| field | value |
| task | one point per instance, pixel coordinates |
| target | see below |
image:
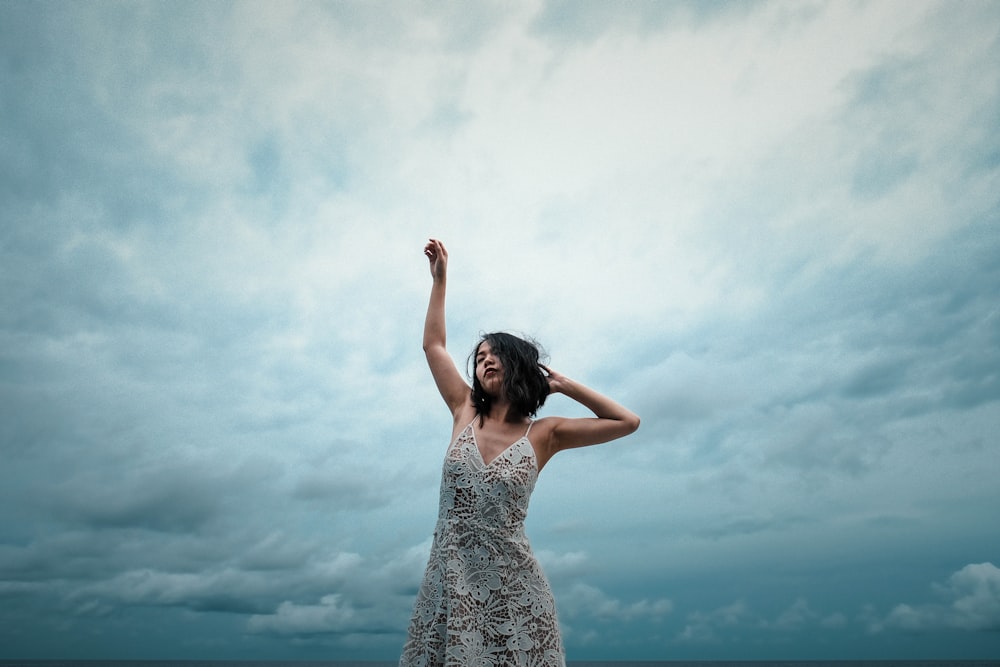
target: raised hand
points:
(557, 381)
(438, 257)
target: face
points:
(489, 369)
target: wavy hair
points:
(524, 383)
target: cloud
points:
(738, 621)
(342, 489)
(560, 565)
(703, 626)
(795, 616)
(224, 588)
(178, 500)
(330, 616)
(585, 21)
(749, 525)
(583, 600)
(277, 551)
(376, 598)
(768, 228)
(971, 602)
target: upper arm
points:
(567, 433)
(454, 390)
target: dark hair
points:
(524, 383)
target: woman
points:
(484, 600)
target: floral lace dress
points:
(484, 600)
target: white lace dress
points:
(484, 600)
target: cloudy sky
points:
(771, 229)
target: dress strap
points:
(530, 424)
(461, 433)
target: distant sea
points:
(571, 663)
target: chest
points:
(496, 491)
(493, 443)
(513, 465)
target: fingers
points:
(435, 249)
(554, 377)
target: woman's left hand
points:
(556, 380)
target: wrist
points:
(562, 386)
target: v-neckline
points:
(482, 459)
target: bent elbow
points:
(632, 423)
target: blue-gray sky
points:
(769, 228)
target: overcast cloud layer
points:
(771, 229)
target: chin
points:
(492, 389)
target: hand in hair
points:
(556, 380)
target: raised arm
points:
(610, 421)
(453, 388)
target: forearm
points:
(435, 331)
(602, 406)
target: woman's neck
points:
(502, 411)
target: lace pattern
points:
(484, 600)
